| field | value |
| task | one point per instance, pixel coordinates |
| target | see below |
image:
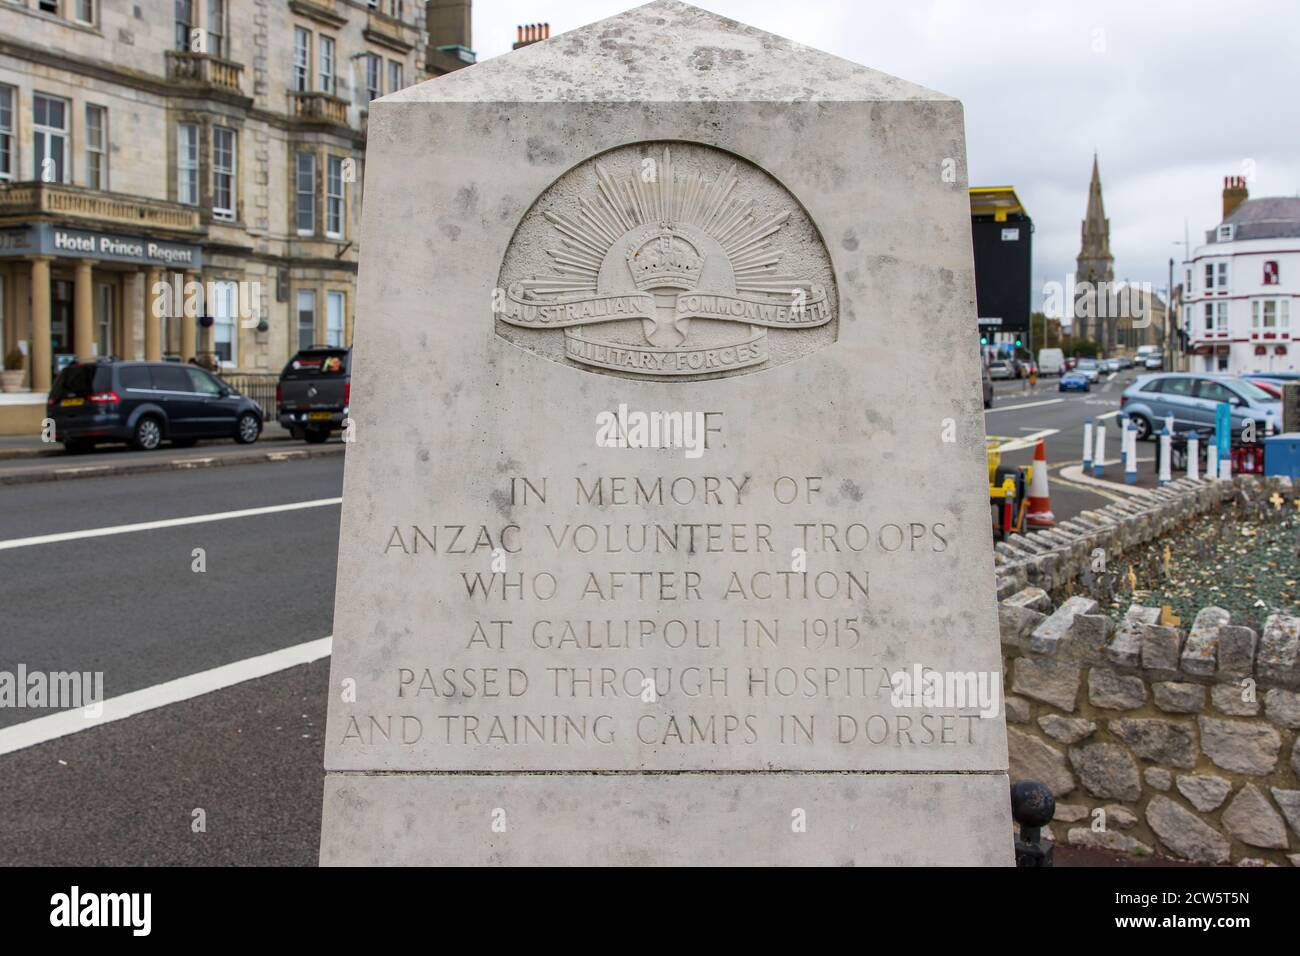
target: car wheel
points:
(247, 429)
(148, 434)
(77, 446)
(1142, 426)
(316, 436)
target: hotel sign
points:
(46, 239)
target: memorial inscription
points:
(665, 550)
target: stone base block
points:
(667, 819)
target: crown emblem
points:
(666, 260)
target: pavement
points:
(26, 459)
(100, 576)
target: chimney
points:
(447, 23)
(531, 33)
(1234, 193)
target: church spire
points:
(1095, 249)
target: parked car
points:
(1192, 399)
(1001, 370)
(147, 403)
(1090, 368)
(1075, 382)
(1110, 365)
(1153, 361)
(1051, 361)
(314, 392)
(986, 384)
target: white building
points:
(1241, 288)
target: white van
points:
(1050, 361)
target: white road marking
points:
(1027, 441)
(65, 722)
(164, 523)
(1012, 408)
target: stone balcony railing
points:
(319, 108)
(91, 205)
(201, 69)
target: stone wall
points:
(1185, 739)
(1054, 559)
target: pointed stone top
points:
(1096, 228)
(665, 51)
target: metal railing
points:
(259, 386)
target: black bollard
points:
(1032, 806)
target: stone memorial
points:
(665, 537)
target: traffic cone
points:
(1040, 502)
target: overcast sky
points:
(1173, 96)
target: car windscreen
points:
(82, 380)
(1253, 392)
(318, 363)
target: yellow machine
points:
(1008, 488)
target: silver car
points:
(1090, 368)
(1192, 399)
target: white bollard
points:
(1225, 467)
(1166, 450)
(1212, 459)
(1193, 456)
(1099, 451)
(1130, 454)
(1087, 444)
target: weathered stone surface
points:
(1107, 771)
(1068, 730)
(1048, 636)
(1017, 710)
(1236, 651)
(1114, 691)
(1200, 651)
(512, 392)
(1289, 801)
(1034, 759)
(1070, 812)
(1279, 648)
(1158, 778)
(1282, 707)
(1237, 745)
(1118, 815)
(1231, 699)
(1185, 834)
(1204, 791)
(1035, 599)
(1160, 647)
(1087, 637)
(1175, 698)
(1053, 682)
(1251, 819)
(1107, 840)
(1295, 756)
(1160, 741)
(1015, 624)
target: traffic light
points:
(1018, 343)
(984, 340)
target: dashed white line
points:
(164, 523)
(1011, 408)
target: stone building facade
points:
(215, 144)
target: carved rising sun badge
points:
(665, 272)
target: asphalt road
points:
(130, 605)
(1017, 413)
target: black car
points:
(314, 392)
(146, 403)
